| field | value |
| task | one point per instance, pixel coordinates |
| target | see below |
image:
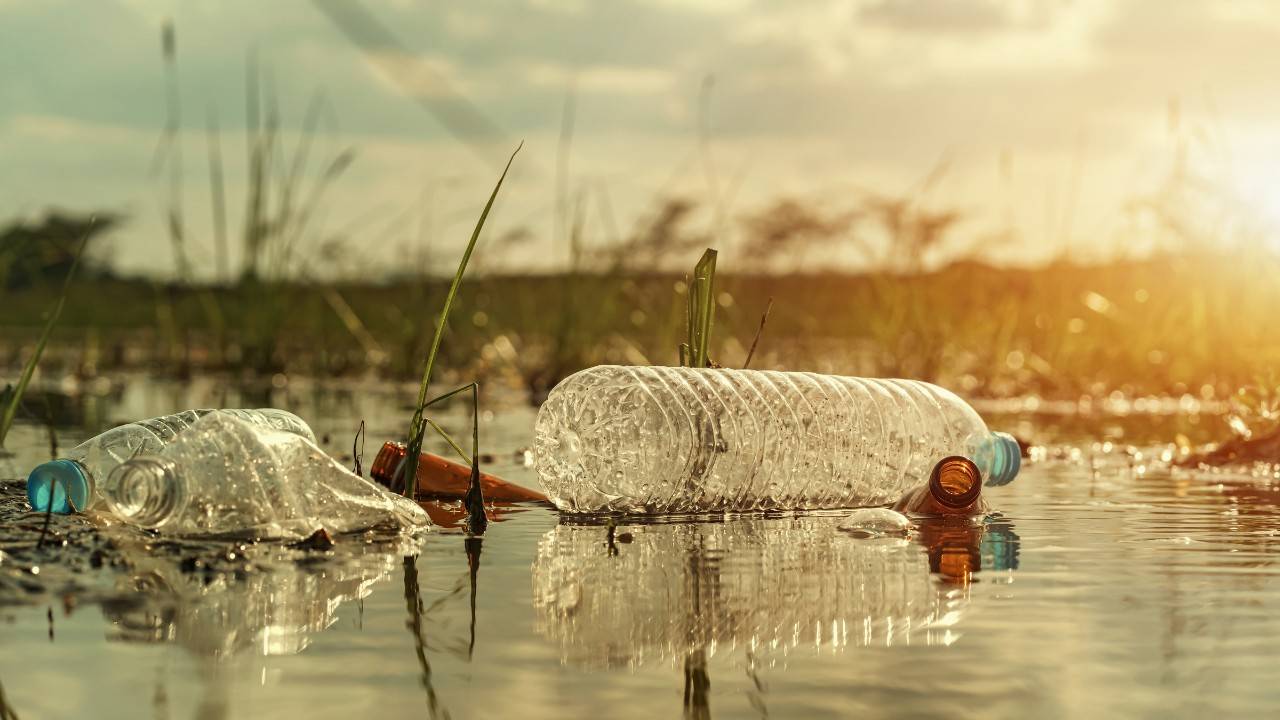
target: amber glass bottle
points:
(954, 488)
(439, 478)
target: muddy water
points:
(1106, 587)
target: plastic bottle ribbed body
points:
(101, 454)
(225, 476)
(685, 440)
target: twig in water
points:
(759, 331)
(477, 521)
(358, 455)
(53, 433)
(473, 546)
(48, 516)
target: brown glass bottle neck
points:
(955, 483)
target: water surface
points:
(1106, 586)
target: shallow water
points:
(1107, 586)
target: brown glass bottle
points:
(954, 489)
(439, 478)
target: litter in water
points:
(225, 476)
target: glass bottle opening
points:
(955, 482)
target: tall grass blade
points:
(702, 308)
(253, 139)
(11, 410)
(764, 318)
(417, 428)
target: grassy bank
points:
(1158, 326)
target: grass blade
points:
(764, 318)
(6, 421)
(702, 308)
(417, 428)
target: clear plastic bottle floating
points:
(226, 477)
(69, 483)
(688, 440)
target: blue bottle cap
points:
(51, 483)
(1006, 460)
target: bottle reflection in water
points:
(267, 612)
(767, 587)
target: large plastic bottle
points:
(225, 476)
(69, 482)
(686, 440)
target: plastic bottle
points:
(225, 476)
(686, 440)
(69, 482)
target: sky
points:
(1044, 122)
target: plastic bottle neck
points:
(1003, 456)
(144, 491)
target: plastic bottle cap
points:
(1006, 460)
(53, 482)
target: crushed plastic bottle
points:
(225, 476)
(686, 440)
(69, 482)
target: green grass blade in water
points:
(417, 428)
(11, 410)
(702, 308)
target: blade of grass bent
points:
(417, 428)
(6, 421)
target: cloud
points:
(810, 93)
(939, 15)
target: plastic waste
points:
(686, 440)
(225, 476)
(69, 482)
